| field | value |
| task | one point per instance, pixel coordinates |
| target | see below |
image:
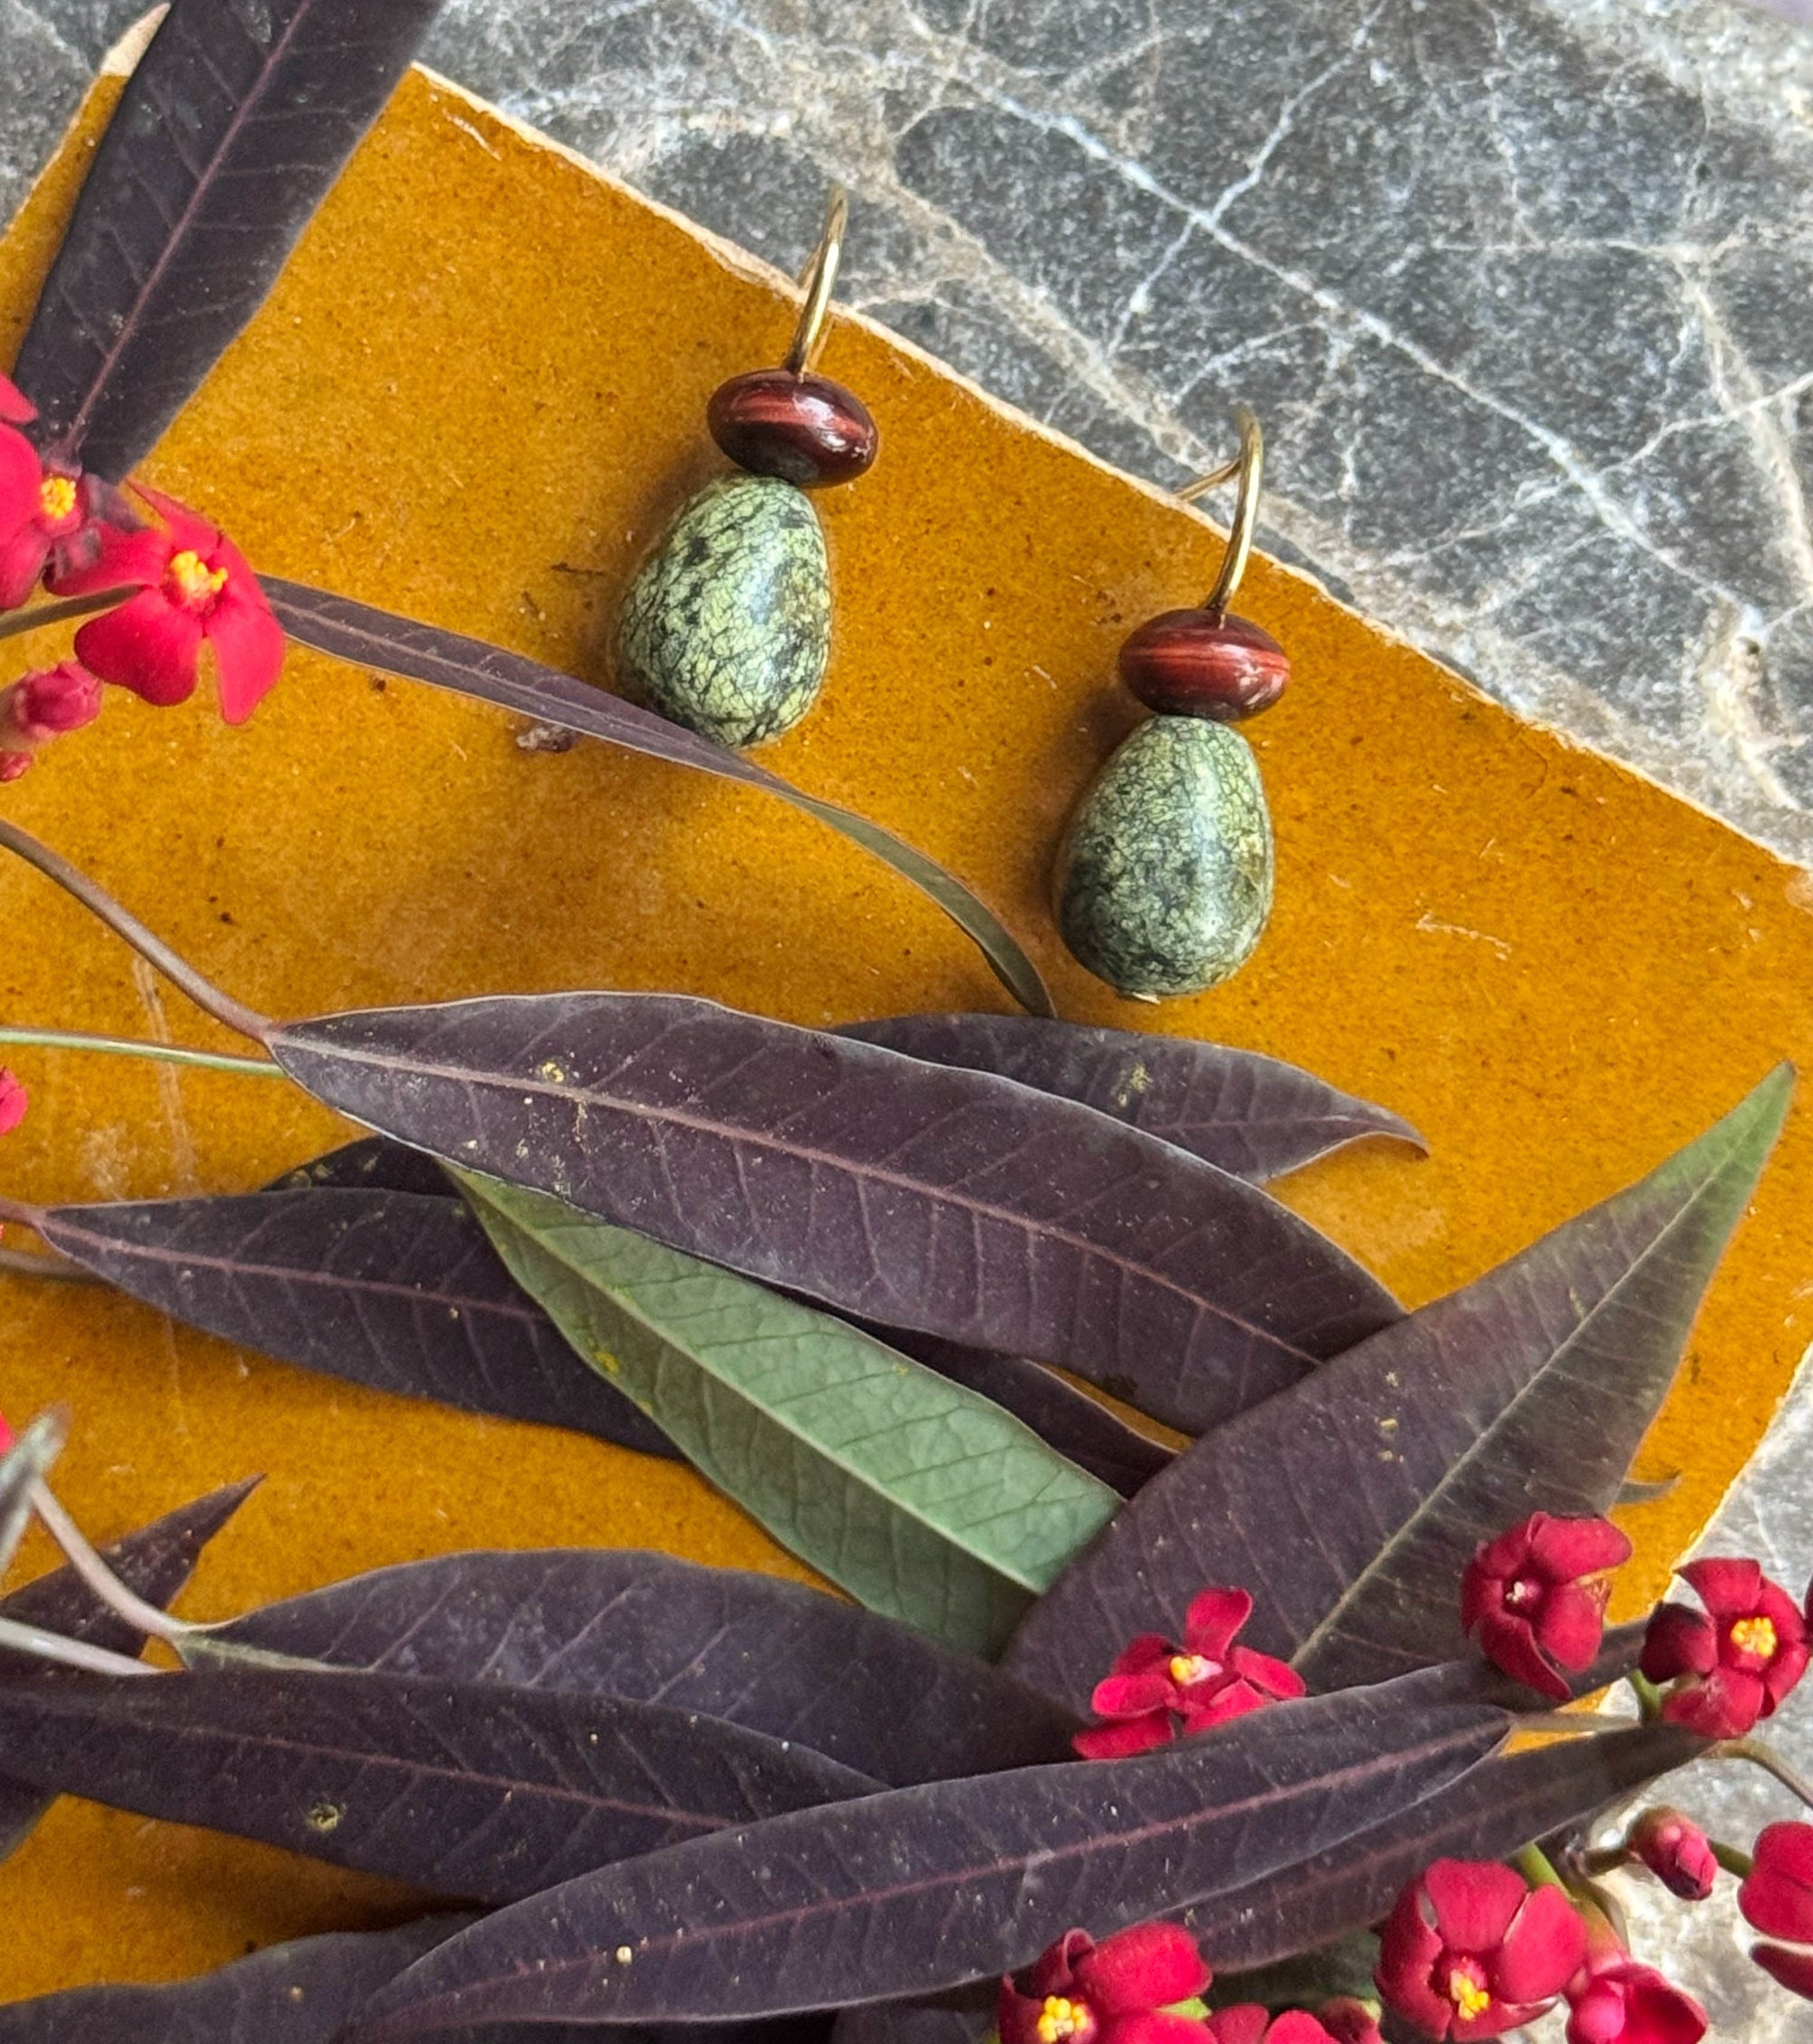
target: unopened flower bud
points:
(1676, 1851)
(41, 707)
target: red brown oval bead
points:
(1192, 663)
(805, 428)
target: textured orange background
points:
(474, 395)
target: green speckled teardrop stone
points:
(1164, 878)
(727, 625)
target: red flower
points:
(1470, 1951)
(41, 707)
(1115, 1993)
(1676, 1851)
(1621, 2002)
(14, 1101)
(15, 408)
(45, 512)
(195, 588)
(1158, 1689)
(1777, 1894)
(1349, 2021)
(1791, 1970)
(1534, 1597)
(1735, 1660)
(1251, 2023)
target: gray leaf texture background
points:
(1520, 290)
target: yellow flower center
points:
(1059, 2020)
(1468, 1992)
(56, 498)
(1187, 1668)
(192, 582)
(1755, 1635)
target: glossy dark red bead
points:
(805, 428)
(1192, 663)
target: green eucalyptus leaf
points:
(921, 1498)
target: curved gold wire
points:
(817, 280)
(1249, 465)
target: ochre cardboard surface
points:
(475, 393)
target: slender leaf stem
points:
(1538, 1869)
(234, 1014)
(16, 623)
(1733, 1858)
(53, 1270)
(69, 1653)
(1648, 1696)
(116, 1595)
(135, 1047)
(1768, 1759)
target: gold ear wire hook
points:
(1249, 465)
(817, 280)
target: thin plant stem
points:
(1768, 1759)
(53, 1270)
(1538, 1869)
(16, 623)
(71, 1653)
(135, 1047)
(115, 1595)
(1733, 1858)
(234, 1014)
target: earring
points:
(726, 627)
(1163, 880)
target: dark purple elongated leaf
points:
(1350, 1505)
(906, 2022)
(368, 1164)
(1502, 1805)
(921, 1889)
(1245, 1113)
(304, 1993)
(238, 120)
(775, 1656)
(296, 1993)
(400, 1291)
(471, 1790)
(156, 1562)
(1061, 1416)
(377, 639)
(916, 1194)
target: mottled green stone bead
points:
(1164, 878)
(727, 626)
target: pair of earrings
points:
(1163, 880)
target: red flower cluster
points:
(42, 707)
(1776, 1899)
(1470, 1950)
(1676, 1851)
(1120, 1992)
(1535, 1598)
(1158, 1689)
(193, 587)
(14, 1101)
(196, 589)
(1733, 1662)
